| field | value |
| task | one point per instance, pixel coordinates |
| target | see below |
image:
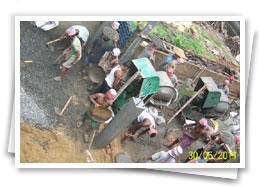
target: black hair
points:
(127, 64)
(152, 135)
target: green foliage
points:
(188, 44)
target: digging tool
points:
(92, 139)
(66, 105)
(53, 41)
(185, 105)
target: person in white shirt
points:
(144, 120)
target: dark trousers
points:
(103, 88)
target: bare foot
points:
(57, 79)
(86, 138)
(79, 124)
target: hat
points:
(169, 71)
(227, 82)
(152, 131)
(70, 31)
(203, 122)
(110, 33)
(176, 151)
(179, 52)
(111, 94)
(115, 25)
(116, 52)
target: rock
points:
(123, 158)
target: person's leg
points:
(86, 63)
(63, 72)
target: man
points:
(149, 52)
(224, 86)
(81, 32)
(98, 49)
(75, 52)
(109, 59)
(115, 26)
(113, 78)
(166, 157)
(173, 59)
(144, 120)
(98, 99)
(172, 76)
(189, 137)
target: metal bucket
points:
(96, 74)
(99, 114)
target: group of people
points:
(105, 53)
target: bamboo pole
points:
(60, 114)
(183, 107)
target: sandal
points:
(57, 79)
(86, 137)
(79, 124)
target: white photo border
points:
(18, 164)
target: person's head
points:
(126, 66)
(169, 72)
(110, 95)
(115, 25)
(116, 52)
(70, 32)
(226, 83)
(152, 132)
(203, 123)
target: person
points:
(144, 120)
(173, 59)
(97, 51)
(166, 157)
(81, 32)
(224, 86)
(113, 78)
(75, 52)
(206, 134)
(189, 137)
(109, 59)
(172, 76)
(98, 99)
(115, 26)
(149, 52)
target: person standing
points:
(98, 49)
(75, 53)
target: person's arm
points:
(189, 135)
(118, 76)
(103, 59)
(62, 36)
(77, 57)
(93, 97)
(188, 126)
(66, 50)
(143, 132)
